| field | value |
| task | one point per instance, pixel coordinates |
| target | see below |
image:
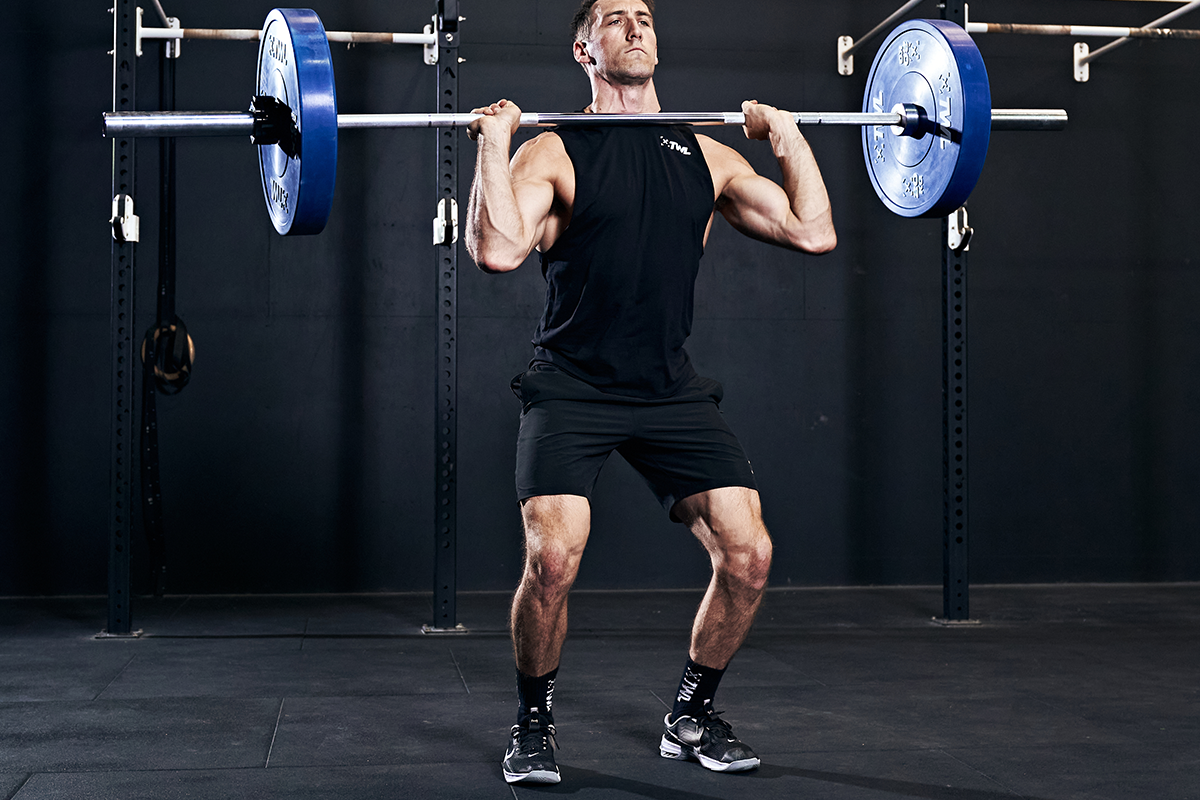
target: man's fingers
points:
(758, 119)
(495, 109)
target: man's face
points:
(623, 47)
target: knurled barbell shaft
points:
(133, 124)
(548, 120)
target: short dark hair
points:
(581, 23)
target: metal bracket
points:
(431, 50)
(847, 45)
(446, 222)
(172, 45)
(959, 237)
(845, 58)
(126, 226)
(1082, 67)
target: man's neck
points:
(610, 98)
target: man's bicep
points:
(535, 199)
(535, 170)
(756, 206)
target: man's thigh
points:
(684, 449)
(562, 444)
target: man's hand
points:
(504, 112)
(759, 117)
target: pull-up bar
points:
(1083, 58)
(1083, 30)
(1153, 30)
(175, 33)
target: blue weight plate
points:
(294, 66)
(936, 65)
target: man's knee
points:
(759, 566)
(747, 563)
(556, 531)
(733, 531)
(550, 570)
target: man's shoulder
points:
(547, 143)
(724, 163)
(718, 150)
(541, 156)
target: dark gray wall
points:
(300, 456)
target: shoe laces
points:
(711, 720)
(535, 735)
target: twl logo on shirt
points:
(676, 146)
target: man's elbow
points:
(493, 261)
(816, 243)
(824, 245)
(494, 267)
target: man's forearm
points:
(801, 176)
(495, 230)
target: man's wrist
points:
(784, 131)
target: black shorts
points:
(680, 446)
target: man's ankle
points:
(696, 690)
(535, 696)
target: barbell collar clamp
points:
(274, 123)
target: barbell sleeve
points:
(1028, 119)
(135, 124)
(138, 124)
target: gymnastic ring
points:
(169, 349)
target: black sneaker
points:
(530, 756)
(707, 739)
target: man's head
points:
(615, 39)
(581, 25)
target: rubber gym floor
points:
(1066, 691)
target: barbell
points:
(926, 120)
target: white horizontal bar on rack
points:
(1158, 23)
(1107, 31)
(252, 35)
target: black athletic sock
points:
(535, 694)
(696, 689)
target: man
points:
(620, 215)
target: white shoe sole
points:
(537, 776)
(669, 749)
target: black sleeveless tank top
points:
(620, 279)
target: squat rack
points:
(956, 235)
(128, 36)
(440, 42)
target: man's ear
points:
(581, 54)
